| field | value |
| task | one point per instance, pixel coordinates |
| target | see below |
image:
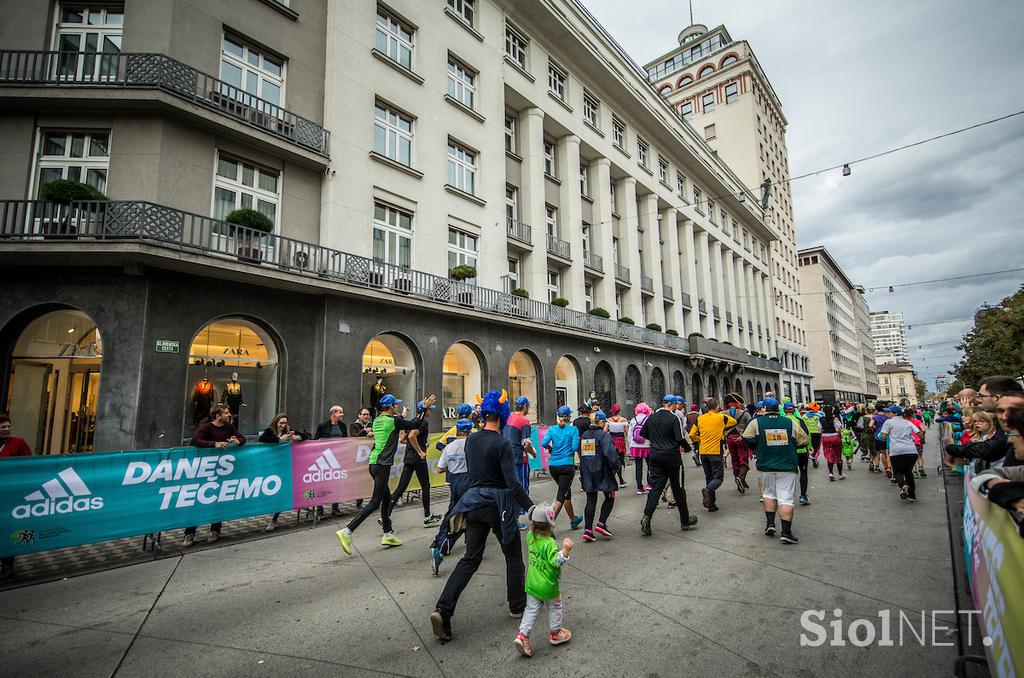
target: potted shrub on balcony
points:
(654, 326)
(695, 334)
(560, 302)
(63, 192)
(249, 248)
(626, 320)
(460, 274)
(672, 333)
(600, 312)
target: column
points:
(718, 289)
(531, 207)
(688, 278)
(731, 302)
(751, 315)
(632, 301)
(570, 227)
(670, 268)
(704, 285)
(652, 256)
(602, 237)
(768, 314)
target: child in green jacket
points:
(542, 578)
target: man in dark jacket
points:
(599, 461)
(218, 433)
(334, 427)
(665, 434)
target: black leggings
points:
(381, 499)
(801, 462)
(638, 463)
(903, 471)
(422, 475)
(606, 509)
(563, 475)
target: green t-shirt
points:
(544, 571)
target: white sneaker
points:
(271, 526)
(188, 541)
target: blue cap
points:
(389, 400)
(464, 410)
(521, 401)
(564, 411)
(600, 416)
(894, 409)
(668, 398)
(770, 403)
(463, 426)
(680, 400)
(789, 405)
(419, 406)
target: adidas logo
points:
(67, 493)
(326, 467)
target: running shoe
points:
(271, 526)
(888, 473)
(705, 498)
(345, 540)
(560, 636)
(842, 476)
(696, 461)
(746, 485)
(761, 499)
(904, 492)
(647, 488)
(671, 504)
(712, 508)
(588, 536)
(435, 560)
(188, 541)
(213, 538)
(641, 492)
(893, 480)
(789, 538)
(804, 501)
(832, 477)
(689, 524)
(622, 484)
(390, 539)
(432, 521)
(602, 530)
(815, 462)
(911, 500)
(442, 625)
(576, 522)
(645, 525)
(769, 530)
(739, 485)
(923, 474)
(515, 615)
(522, 644)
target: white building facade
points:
(889, 334)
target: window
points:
(681, 185)
(549, 159)
(462, 248)
(76, 156)
(683, 81)
(556, 81)
(552, 285)
(511, 203)
(732, 92)
(591, 109)
(731, 59)
(252, 73)
(711, 211)
(618, 133)
(551, 220)
(510, 134)
(641, 151)
(515, 46)
(663, 170)
(706, 71)
(707, 102)
(461, 168)
(82, 32)
(686, 110)
(586, 237)
(461, 82)
(392, 235)
(709, 132)
(392, 134)
(735, 231)
(588, 296)
(618, 304)
(512, 278)
(615, 250)
(698, 195)
(239, 184)
(612, 189)
(394, 38)
(463, 9)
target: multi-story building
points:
(285, 190)
(839, 330)
(942, 383)
(898, 383)
(718, 86)
(889, 333)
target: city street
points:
(723, 599)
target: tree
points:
(921, 388)
(955, 388)
(995, 345)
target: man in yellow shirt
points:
(709, 432)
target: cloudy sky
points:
(859, 78)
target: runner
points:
(801, 450)
(832, 442)
(813, 419)
(415, 462)
(776, 440)
(563, 441)
(617, 427)
(911, 415)
(665, 434)
(691, 421)
(518, 432)
(583, 422)
(386, 428)
(867, 439)
(709, 433)
(640, 447)
(877, 421)
(598, 463)
(453, 463)
(898, 432)
(926, 414)
(463, 411)
(738, 450)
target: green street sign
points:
(166, 346)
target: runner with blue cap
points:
(518, 432)
(563, 441)
(453, 463)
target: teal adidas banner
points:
(55, 501)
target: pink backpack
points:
(637, 438)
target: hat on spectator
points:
(389, 401)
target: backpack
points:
(637, 438)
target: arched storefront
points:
(759, 390)
(696, 389)
(232, 361)
(461, 379)
(750, 392)
(54, 387)
(657, 385)
(524, 379)
(679, 384)
(713, 387)
(634, 387)
(568, 382)
(389, 365)
(604, 384)
(738, 390)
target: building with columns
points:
(717, 84)
(839, 330)
(285, 190)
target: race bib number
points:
(588, 448)
(776, 436)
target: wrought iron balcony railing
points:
(621, 273)
(559, 248)
(593, 261)
(646, 283)
(517, 230)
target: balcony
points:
(666, 291)
(144, 70)
(646, 284)
(559, 248)
(99, 228)
(519, 231)
(593, 261)
(716, 313)
(621, 273)
(684, 299)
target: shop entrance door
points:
(81, 411)
(28, 402)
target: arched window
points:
(706, 71)
(684, 80)
(679, 384)
(664, 89)
(731, 59)
(696, 388)
(523, 380)
(604, 384)
(657, 385)
(461, 379)
(568, 382)
(634, 387)
(389, 366)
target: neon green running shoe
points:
(346, 541)
(390, 540)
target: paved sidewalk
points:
(722, 600)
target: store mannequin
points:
(377, 391)
(233, 397)
(202, 400)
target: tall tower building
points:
(718, 86)
(889, 332)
